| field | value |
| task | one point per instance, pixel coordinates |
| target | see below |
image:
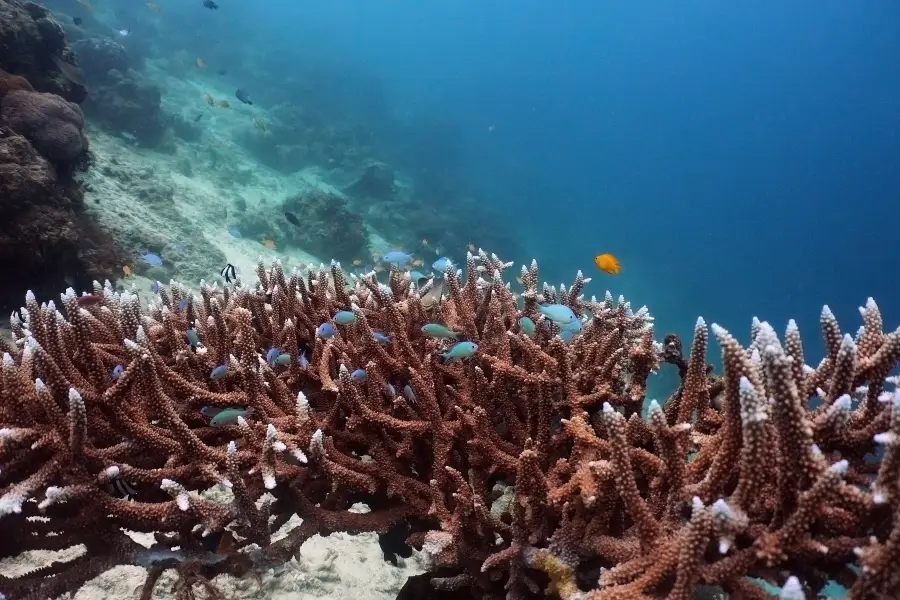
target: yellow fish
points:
(129, 272)
(261, 125)
(357, 262)
(223, 104)
(608, 263)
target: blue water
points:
(739, 158)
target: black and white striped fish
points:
(228, 272)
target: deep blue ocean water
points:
(740, 158)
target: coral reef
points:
(329, 226)
(33, 44)
(522, 470)
(45, 235)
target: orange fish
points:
(608, 264)
(201, 64)
(129, 272)
(269, 244)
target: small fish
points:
(179, 246)
(117, 372)
(441, 264)
(283, 359)
(389, 390)
(201, 64)
(436, 330)
(89, 300)
(292, 218)
(209, 99)
(382, 338)
(359, 375)
(326, 331)
(425, 242)
(198, 117)
(460, 350)
(303, 361)
(183, 304)
(357, 262)
(471, 246)
(398, 257)
(235, 232)
(153, 6)
(558, 313)
(229, 416)
(223, 104)
(344, 317)
(193, 338)
(77, 20)
(243, 96)
(418, 276)
(261, 125)
(152, 259)
(527, 326)
(154, 287)
(219, 372)
(608, 263)
(125, 32)
(408, 393)
(418, 263)
(271, 355)
(210, 5)
(270, 244)
(228, 273)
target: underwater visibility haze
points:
(271, 261)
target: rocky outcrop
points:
(33, 44)
(46, 240)
(328, 228)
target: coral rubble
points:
(524, 470)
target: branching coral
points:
(523, 470)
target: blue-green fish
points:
(460, 350)
(117, 372)
(436, 330)
(359, 375)
(219, 372)
(228, 416)
(193, 338)
(441, 264)
(558, 313)
(401, 259)
(408, 393)
(283, 359)
(382, 338)
(527, 326)
(271, 355)
(345, 317)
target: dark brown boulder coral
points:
(46, 239)
(54, 126)
(33, 44)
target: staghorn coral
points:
(524, 470)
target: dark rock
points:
(31, 43)
(97, 56)
(377, 181)
(55, 127)
(45, 237)
(328, 229)
(125, 103)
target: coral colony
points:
(522, 469)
